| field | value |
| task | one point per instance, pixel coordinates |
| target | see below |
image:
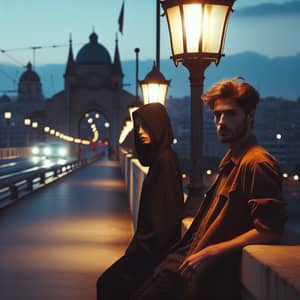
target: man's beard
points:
(236, 137)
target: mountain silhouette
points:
(278, 77)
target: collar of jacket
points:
(237, 157)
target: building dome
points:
(4, 99)
(29, 75)
(93, 53)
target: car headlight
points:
(62, 152)
(35, 150)
(47, 151)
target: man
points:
(243, 207)
(160, 207)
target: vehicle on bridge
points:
(50, 152)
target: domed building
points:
(93, 82)
(30, 88)
(27, 103)
(93, 53)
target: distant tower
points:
(29, 87)
(117, 73)
(70, 67)
(70, 79)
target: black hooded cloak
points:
(160, 210)
(161, 200)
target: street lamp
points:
(27, 123)
(47, 129)
(197, 32)
(197, 28)
(133, 107)
(155, 86)
(7, 117)
(35, 125)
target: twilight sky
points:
(271, 32)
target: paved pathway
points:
(54, 244)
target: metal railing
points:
(20, 185)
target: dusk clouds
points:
(269, 9)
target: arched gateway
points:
(93, 86)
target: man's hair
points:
(245, 94)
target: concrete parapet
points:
(271, 272)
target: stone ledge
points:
(271, 272)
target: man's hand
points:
(198, 262)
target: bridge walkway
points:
(55, 243)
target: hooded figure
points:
(160, 210)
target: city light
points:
(35, 124)
(27, 122)
(208, 172)
(7, 115)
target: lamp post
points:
(27, 123)
(197, 32)
(46, 131)
(155, 86)
(136, 50)
(7, 117)
(136, 103)
(35, 125)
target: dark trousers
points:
(123, 278)
(218, 283)
(166, 285)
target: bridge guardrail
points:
(18, 186)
